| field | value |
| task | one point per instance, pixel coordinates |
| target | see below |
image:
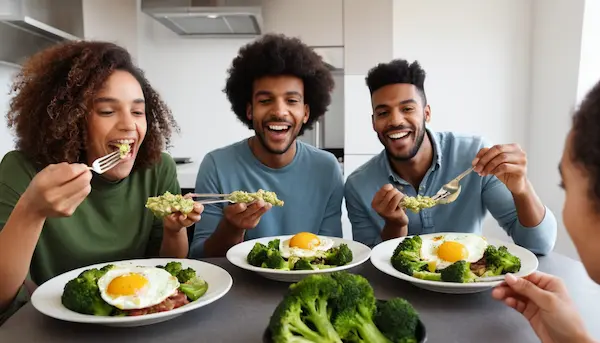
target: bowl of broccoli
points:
(404, 258)
(341, 307)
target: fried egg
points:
(304, 244)
(443, 250)
(129, 288)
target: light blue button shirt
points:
(311, 186)
(453, 154)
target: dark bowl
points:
(421, 334)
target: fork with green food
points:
(241, 197)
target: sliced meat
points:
(478, 268)
(176, 300)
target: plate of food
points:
(289, 258)
(452, 262)
(339, 307)
(131, 292)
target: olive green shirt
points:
(111, 224)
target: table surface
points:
(242, 315)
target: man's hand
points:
(386, 203)
(173, 223)
(543, 300)
(507, 162)
(246, 216)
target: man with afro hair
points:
(417, 162)
(278, 87)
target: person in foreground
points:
(416, 161)
(73, 103)
(277, 87)
(541, 298)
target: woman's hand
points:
(543, 300)
(173, 223)
(58, 190)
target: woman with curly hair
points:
(278, 87)
(73, 103)
(541, 298)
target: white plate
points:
(238, 253)
(47, 297)
(382, 253)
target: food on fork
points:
(119, 290)
(416, 204)
(341, 307)
(168, 203)
(245, 197)
(304, 251)
(453, 257)
(124, 149)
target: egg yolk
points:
(452, 251)
(128, 284)
(304, 240)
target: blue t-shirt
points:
(453, 154)
(311, 186)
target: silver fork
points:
(451, 187)
(103, 164)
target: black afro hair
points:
(397, 71)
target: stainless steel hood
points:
(207, 18)
(28, 26)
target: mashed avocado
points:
(168, 203)
(245, 197)
(124, 149)
(415, 204)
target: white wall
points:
(6, 136)
(589, 65)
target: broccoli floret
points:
(407, 266)
(354, 310)
(274, 244)
(82, 295)
(459, 271)
(500, 261)
(274, 260)
(303, 264)
(425, 275)
(410, 246)
(173, 268)
(304, 314)
(257, 255)
(186, 274)
(338, 256)
(194, 288)
(398, 320)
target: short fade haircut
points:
(394, 72)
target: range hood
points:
(28, 26)
(207, 18)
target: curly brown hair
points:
(276, 54)
(54, 92)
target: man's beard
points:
(413, 152)
(260, 134)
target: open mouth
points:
(123, 146)
(279, 128)
(396, 136)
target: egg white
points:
(161, 285)
(287, 251)
(475, 245)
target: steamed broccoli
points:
(340, 307)
(82, 295)
(303, 264)
(274, 260)
(459, 271)
(338, 256)
(185, 275)
(500, 261)
(173, 267)
(274, 244)
(194, 288)
(426, 275)
(354, 310)
(257, 255)
(398, 320)
(407, 256)
(304, 314)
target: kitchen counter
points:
(186, 174)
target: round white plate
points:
(238, 253)
(382, 253)
(47, 297)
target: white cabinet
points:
(360, 138)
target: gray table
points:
(242, 315)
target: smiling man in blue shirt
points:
(416, 161)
